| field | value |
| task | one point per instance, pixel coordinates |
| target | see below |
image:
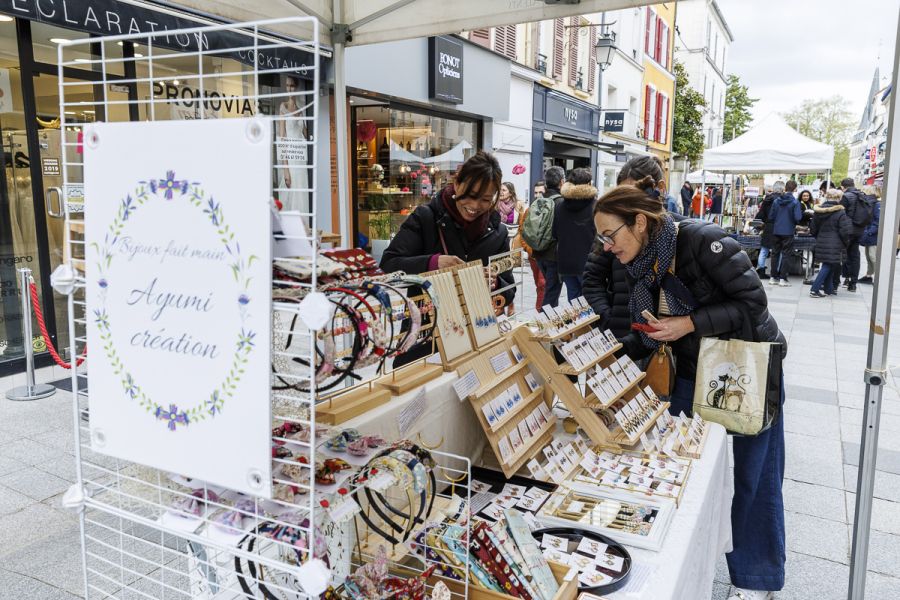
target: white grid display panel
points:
(127, 552)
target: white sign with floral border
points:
(178, 254)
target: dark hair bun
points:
(645, 183)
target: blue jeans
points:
(757, 509)
(825, 277)
(763, 255)
(552, 284)
(573, 286)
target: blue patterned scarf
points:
(651, 270)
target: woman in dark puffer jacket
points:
(605, 282)
(711, 277)
(831, 227)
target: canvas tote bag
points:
(739, 381)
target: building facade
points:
(702, 45)
(658, 23)
(869, 143)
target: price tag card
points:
(501, 362)
(382, 481)
(343, 510)
(466, 384)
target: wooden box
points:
(567, 589)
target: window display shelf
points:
(567, 369)
(541, 337)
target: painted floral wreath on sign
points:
(173, 189)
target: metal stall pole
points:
(339, 35)
(875, 374)
(29, 391)
(702, 192)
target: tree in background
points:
(827, 120)
(737, 108)
(687, 122)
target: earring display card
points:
(632, 471)
(453, 336)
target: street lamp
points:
(605, 49)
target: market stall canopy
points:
(709, 177)
(772, 146)
(376, 21)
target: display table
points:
(805, 244)
(446, 417)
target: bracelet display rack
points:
(493, 386)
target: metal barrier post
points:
(29, 391)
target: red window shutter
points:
(500, 39)
(573, 51)
(665, 121)
(511, 41)
(482, 37)
(659, 32)
(647, 33)
(559, 33)
(592, 60)
(659, 113)
(647, 113)
(667, 47)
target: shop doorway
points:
(566, 162)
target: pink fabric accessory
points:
(193, 504)
(232, 521)
(284, 492)
(361, 446)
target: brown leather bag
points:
(661, 372)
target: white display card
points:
(553, 542)
(524, 432)
(591, 547)
(501, 362)
(536, 469)
(515, 441)
(517, 354)
(513, 490)
(544, 410)
(532, 383)
(489, 415)
(505, 450)
(466, 384)
(179, 304)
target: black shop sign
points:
(614, 122)
(445, 69)
(568, 115)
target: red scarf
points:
(474, 229)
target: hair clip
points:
(361, 446)
(232, 521)
(284, 492)
(194, 503)
(325, 474)
(339, 442)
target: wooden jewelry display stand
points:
(344, 405)
(407, 377)
(455, 349)
(478, 305)
(492, 385)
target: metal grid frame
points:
(127, 552)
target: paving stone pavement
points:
(40, 553)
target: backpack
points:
(865, 209)
(538, 226)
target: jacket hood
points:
(828, 207)
(785, 199)
(578, 192)
(770, 197)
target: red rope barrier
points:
(40, 320)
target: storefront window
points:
(401, 159)
(609, 179)
(18, 239)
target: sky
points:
(786, 51)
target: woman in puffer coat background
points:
(831, 227)
(573, 228)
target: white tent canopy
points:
(772, 146)
(705, 175)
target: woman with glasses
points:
(459, 225)
(604, 281)
(704, 277)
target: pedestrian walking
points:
(539, 188)
(508, 204)
(784, 216)
(546, 259)
(668, 199)
(686, 194)
(767, 239)
(715, 206)
(711, 278)
(831, 227)
(573, 228)
(869, 240)
(861, 210)
(605, 280)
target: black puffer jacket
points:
(574, 228)
(718, 275)
(606, 289)
(831, 226)
(418, 240)
(850, 201)
(768, 233)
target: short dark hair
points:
(847, 182)
(539, 184)
(641, 167)
(554, 177)
(790, 186)
(476, 174)
(580, 176)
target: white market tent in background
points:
(705, 176)
(772, 146)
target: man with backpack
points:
(861, 209)
(537, 231)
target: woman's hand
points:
(491, 281)
(670, 329)
(287, 178)
(445, 261)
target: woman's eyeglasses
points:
(610, 239)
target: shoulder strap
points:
(437, 224)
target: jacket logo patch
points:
(716, 247)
